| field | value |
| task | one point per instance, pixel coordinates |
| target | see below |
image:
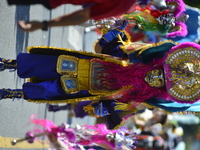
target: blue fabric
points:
(111, 43)
(101, 110)
(112, 34)
(49, 90)
(36, 65)
(117, 52)
(133, 58)
(43, 67)
(172, 106)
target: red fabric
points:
(100, 8)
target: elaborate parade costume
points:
(117, 43)
(83, 76)
(78, 78)
(144, 73)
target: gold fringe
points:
(69, 101)
(145, 47)
(124, 43)
(125, 107)
(153, 45)
(121, 106)
(90, 109)
(128, 36)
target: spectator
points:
(92, 9)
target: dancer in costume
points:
(117, 43)
(66, 137)
(71, 76)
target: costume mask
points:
(182, 73)
(155, 78)
(166, 19)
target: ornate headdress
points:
(177, 8)
(169, 22)
(182, 72)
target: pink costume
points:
(70, 138)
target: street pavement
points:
(15, 114)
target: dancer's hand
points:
(30, 26)
(54, 141)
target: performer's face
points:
(166, 19)
(155, 78)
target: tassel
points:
(89, 109)
(121, 106)
(127, 42)
(125, 107)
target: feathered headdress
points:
(177, 8)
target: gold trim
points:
(102, 56)
(83, 74)
(125, 107)
(65, 88)
(184, 74)
(124, 43)
(68, 71)
(147, 46)
(154, 45)
(75, 100)
(105, 39)
(69, 101)
(96, 47)
(119, 30)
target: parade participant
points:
(92, 9)
(118, 43)
(71, 76)
(73, 138)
